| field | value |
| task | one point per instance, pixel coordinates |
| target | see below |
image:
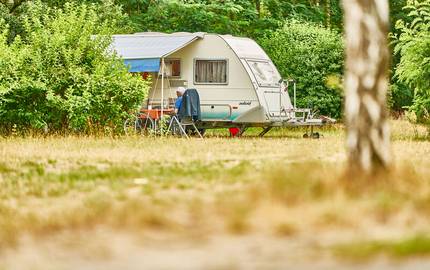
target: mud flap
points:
(254, 115)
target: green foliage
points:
(312, 55)
(13, 21)
(238, 17)
(413, 46)
(327, 12)
(195, 16)
(400, 96)
(60, 77)
(397, 12)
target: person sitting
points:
(179, 93)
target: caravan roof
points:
(143, 51)
(245, 48)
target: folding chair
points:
(179, 126)
(188, 113)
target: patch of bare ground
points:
(105, 249)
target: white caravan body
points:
(237, 82)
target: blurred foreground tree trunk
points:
(366, 84)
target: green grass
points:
(418, 245)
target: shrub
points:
(399, 97)
(60, 77)
(312, 55)
(413, 46)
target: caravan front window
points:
(210, 71)
(265, 73)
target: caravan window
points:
(173, 67)
(210, 72)
(265, 73)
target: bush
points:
(312, 55)
(413, 46)
(60, 77)
(400, 97)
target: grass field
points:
(279, 202)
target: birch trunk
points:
(366, 84)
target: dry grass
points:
(281, 188)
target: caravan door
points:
(267, 78)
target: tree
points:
(60, 77)
(325, 12)
(412, 45)
(313, 55)
(368, 139)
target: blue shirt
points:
(178, 102)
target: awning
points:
(143, 65)
(151, 46)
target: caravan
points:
(238, 84)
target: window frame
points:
(248, 62)
(227, 77)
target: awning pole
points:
(162, 87)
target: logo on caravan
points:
(245, 103)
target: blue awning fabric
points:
(143, 65)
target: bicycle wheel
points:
(131, 125)
(145, 124)
(138, 124)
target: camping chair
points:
(175, 126)
(181, 126)
(188, 114)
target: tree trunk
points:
(328, 13)
(258, 7)
(366, 84)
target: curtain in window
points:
(211, 71)
(173, 68)
(176, 68)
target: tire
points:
(130, 125)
